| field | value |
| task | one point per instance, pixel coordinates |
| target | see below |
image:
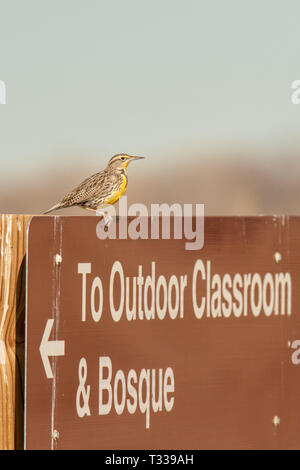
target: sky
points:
(88, 79)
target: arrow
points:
(50, 348)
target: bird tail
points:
(57, 206)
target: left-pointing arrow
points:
(50, 348)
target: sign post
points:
(142, 344)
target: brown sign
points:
(143, 344)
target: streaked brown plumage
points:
(100, 189)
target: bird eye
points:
(123, 158)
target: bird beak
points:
(135, 158)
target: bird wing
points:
(93, 186)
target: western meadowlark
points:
(100, 189)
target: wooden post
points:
(12, 315)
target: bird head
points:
(121, 161)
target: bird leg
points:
(107, 218)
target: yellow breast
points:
(118, 193)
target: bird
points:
(101, 189)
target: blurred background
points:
(201, 88)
